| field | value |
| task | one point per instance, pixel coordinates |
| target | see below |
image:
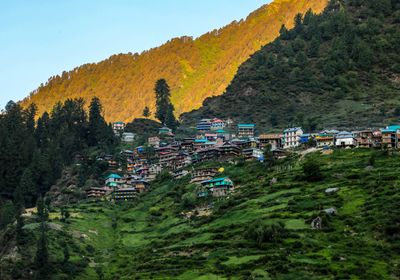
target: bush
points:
(312, 170)
(261, 233)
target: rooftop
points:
(246, 125)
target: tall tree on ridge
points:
(163, 95)
(146, 112)
(165, 109)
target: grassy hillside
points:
(261, 232)
(337, 69)
(194, 68)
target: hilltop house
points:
(118, 127)
(114, 180)
(246, 130)
(166, 131)
(345, 139)
(96, 193)
(216, 187)
(275, 140)
(203, 125)
(364, 138)
(291, 137)
(217, 124)
(253, 153)
(390, 136)
(128, 137)
(222, 134)
(203, 174)
(154, 141)
(125, 194)
(325, 140)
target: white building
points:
(291, 137)
(118, 127)
(217, 124)
(128, 137)
(345, 139)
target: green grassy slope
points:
(151, 239)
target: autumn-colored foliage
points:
(194, 68)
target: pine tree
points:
(99, 133)
(42, 253)
(170, 120)
(146, 112)
(163, 95)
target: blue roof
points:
(200, 141)
(114, 176)
(391, 128)
(216, 180)
(249, 125)
(293, 129)
(220, 131)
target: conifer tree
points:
(163, 95)
(146, 112)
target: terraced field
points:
(153, 238)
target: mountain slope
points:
(194, 69)
(152, 239)
(337, 69)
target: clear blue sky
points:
(41, 38)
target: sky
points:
(42, 38)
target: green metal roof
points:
(114, 176)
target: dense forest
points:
(195, 68)
(337, 69)
(33, 155)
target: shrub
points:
(312, 170)
(261, 233)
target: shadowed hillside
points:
(337, 69)
(195, 69)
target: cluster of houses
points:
(218, 140)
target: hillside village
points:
(217, 140)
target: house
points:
(125, 194)
(206, 154)
(278, 153)
(96, 193)
(140, 185)
(212, 137)
(253, 153)
(364, 138)
(114, 180)
(274, 140)
(229, 150)
(246, 130)
(217, 124)
(325, 140)
(118, 127)
(222, 134)
(390, 136)
(204, 125)
(154, 141)
(128, 137)
(291, 137)
(218, 187)
(200, 144)
(203, 174)
(165, 131)
(345, 139)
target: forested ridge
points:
(195, 68)
(337, 69)
(33, 155)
